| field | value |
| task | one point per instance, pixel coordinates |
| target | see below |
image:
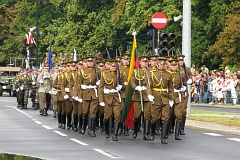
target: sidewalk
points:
(212, 126)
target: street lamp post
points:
(36, 33)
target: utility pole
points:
(186, 40)
(36, 33)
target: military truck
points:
(7, 75)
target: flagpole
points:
(139, 82)
(37, 33)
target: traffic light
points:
(170, 43)
(151, 43)
(162, 44)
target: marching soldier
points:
(44, 79)
(54, 91)
(19, 95)
(60, 58)
(179, 87)
(24, 89)
(66, 90)
(110, 97)
(161, 94)
(124, 69)
(54, 59)
(34, 87)
(88, 94)
(46, 59)
(186, 71)
(138, 82)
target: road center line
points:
(38, 122)
(234, 139)
(46, 127)
(105, 153)
(60, 133)
(79, 142)
(22, 112)
(213, 134)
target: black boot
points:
(89, 125)
(116, 127)
(101, 122)
(152, 134)
(164, 133)
(121, 126)
(59, 121)
(146, 130)
(136, 123)
(80, 121)
(177, 130)
(69, 121)
(107, 129)
(25, 106)
(54, 114)
(172, 124)
(126, 130)
(75, 122)
(85, 120)
(93, 121)
(41, 112)
(182, 125)
(63, 119)
(36, 106)
(97, 121)
(157, 130)
(45, 112)
(33, 105)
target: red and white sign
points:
(159, 20)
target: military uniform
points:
(186, 72)
(161, 90)
(54, 91)
(139, 83)
(44, 79)
(110, 98)
(23, 89)
(89, 95)
(34, 88)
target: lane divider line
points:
(213, 134)
(60, 133)
(105, 153)
(38, 122)
(22, 112)
(79, 142)
(234, 139)
(45, 126)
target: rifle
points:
(148, 81)
(117, 69)
(180, 72)
(108, 53)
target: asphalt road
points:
(25, 132)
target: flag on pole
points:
(30, 38)
(75, 57)
(128, 109)
(50, 58)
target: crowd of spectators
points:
(214, 86)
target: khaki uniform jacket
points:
(54, 77)
(57, 85)
(109, 81)
(88, 77)
(33, 78)
(124, 70)
(47, 83)
(135, 82)
(65, 86)
(161, 86)
(77, 85)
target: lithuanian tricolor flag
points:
(128, 109)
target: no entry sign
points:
(159, 20)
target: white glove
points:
(98, 82)
(143, 88)
(49, 92)
(4, 87)
(189, 81)
(84, 86)
(76, 98)
(183, 89)
(171, 103)
(80, 100)
(73, 97)
(125, 83)
(151, 98)
(33, 83)
(119, 87)
(138, 88)
(41, 81)
(21, 88)
(17, 89)
(102, 104)
(65, 97)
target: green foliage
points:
(91, 26)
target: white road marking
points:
(38, 122)
(234, 139)
(105, 153)
(213, 134)
(46, 127)
(79, 142)
(60, 133)
(22, 112)
(5, 101)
